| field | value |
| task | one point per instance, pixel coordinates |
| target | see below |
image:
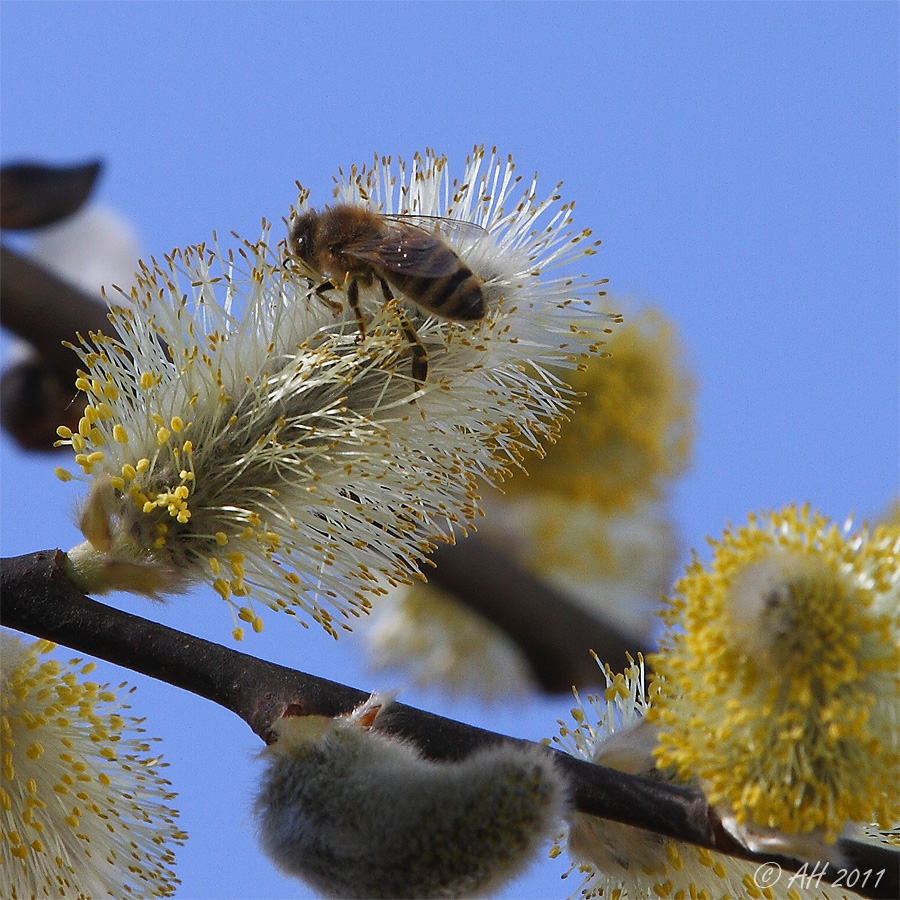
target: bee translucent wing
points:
(406, 249)
(450, 229)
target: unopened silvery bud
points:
(356, 813)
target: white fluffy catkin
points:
(356, 813)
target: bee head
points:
(301, 238)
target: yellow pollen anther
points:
(35, 751)
(120, 435)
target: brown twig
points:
(38, 393)
(38, 598)
(554, 633)
(45, 310)
(34, 194)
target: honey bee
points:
(350, 246)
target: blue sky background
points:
(739, 162)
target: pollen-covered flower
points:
(437, 641)
(357, 813)
(590, 516)
(84, 811)
(632, 430)
(620, 861)
(614, 562)
(242, 430)
(779, 681)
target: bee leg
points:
(320, 292)
(419, 352)
(386, 290)
(353, 300)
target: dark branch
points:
(38, 393)
(555, 634)
(45, 310)
(33, 194)
(39, 599)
